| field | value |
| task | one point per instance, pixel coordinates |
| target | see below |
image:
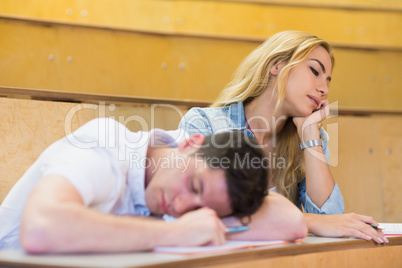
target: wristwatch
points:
(311, 143)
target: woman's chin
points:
(303, 113)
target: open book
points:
(229, 245)
(391, 229)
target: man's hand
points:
(352, 225)
(199, 227)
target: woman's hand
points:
(352, 225)
(310, 122)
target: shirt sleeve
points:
(93, 171)
(195, 121)
(334, 204)
(88, 170)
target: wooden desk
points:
(312, 252)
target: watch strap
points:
(311, 143)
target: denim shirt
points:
(214, 120)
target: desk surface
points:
(310, 245)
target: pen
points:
(374, 226)
(237, 229)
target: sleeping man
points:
(104, 188)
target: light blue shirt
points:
(213, 120)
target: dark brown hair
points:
(245, 167)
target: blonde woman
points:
(279, 96)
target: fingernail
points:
(386, 240)
(381, 241)
(368, 237)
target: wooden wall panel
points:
(358, 171)
(333, 259)
(88, 60)
(390, 141)
(347, 4)
(176, 67)
(282, 262)
(364, 258)
(367, 79)
(120, 63)
(366, 155)
(27, 55)
(369, 28)
(27, 127)
(92, 60)
(146, 117)
(352, 258)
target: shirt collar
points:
(237, 116)
(162, 138)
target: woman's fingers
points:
(361, 223)
(353, 225)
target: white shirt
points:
(103, 160)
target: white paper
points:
(229, 245)
(391, 228)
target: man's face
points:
(187, 185)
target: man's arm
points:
(56, 220)
(277, 219)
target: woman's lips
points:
(315, 101)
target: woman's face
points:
(308, 84)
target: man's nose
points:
(186, 202)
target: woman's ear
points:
(277, 67)
(193, 142)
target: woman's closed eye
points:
(314, 71)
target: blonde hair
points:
(252, 78)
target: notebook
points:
(391, 229)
